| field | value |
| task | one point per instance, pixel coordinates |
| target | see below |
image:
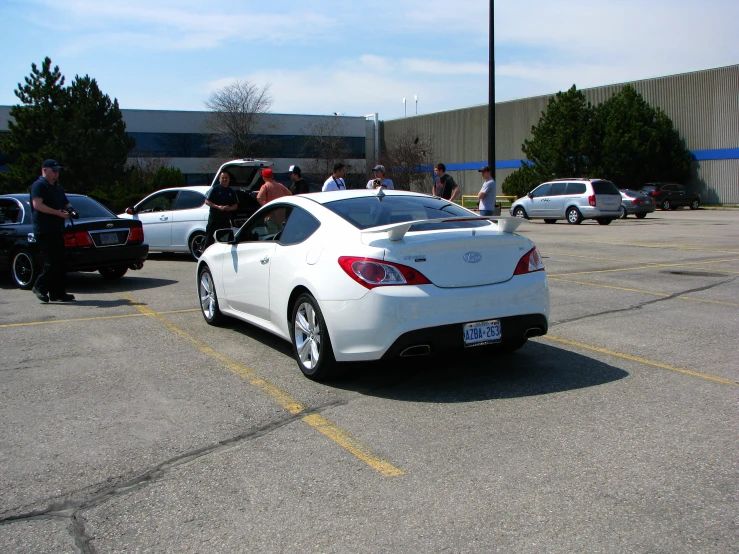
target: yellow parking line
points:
(283, 398)
(96, 318)
(642, 360)
(663, 295)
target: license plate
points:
(108, 238)
(481, 332)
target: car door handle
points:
(163, 218)
(264, 260)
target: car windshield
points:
(87, 207)
(373, 211)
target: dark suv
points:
(670, 195)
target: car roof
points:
(332, 196)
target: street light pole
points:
(491, 96)
(405, 112)
(415, 97)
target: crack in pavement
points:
(642, 304)
(69, 505)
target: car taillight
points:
(591, 200)
(654, 192)
(530, 262)
(79, 238)
(372, 273)
(637, 201)
(135, 234)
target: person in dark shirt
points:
(445, 187)
(222, 200)
(48, 211)
(298, 185)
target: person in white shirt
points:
(336, 180)
(486, 196)
(379, 180)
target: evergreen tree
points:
(76, 125)
(636, 143)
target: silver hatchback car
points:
(573, 199)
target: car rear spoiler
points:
(396, 231)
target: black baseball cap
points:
(485, 168)
(52, 164)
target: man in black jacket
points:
(298, 185)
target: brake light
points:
(135, 234)
(80, 238)
(591, 200)
(530, 262)
(637, 201)
(654, 192)
(372, 273)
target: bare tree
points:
(326, 146)
(406, 156)
(237, 117)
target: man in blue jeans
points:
(48, 211)
(486, 196)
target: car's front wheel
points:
(310, 340)
(23, 269)
(114, 272)
(666, 205)
(574, 217)
(695, 204)
(208, 298)
(641, 215)
(520, 212)
(197, 244)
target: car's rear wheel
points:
(114, 272)
(641, 215)
(666, 205)
(604, 221)
(520, 212)
(197, 244)
(23, 269)
(208, 298)
(550, 221)
(310, 340)
(574, 217)
(695, 204)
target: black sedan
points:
(97, 241)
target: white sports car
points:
(364, 275)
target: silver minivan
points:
(573, 199)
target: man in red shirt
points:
(271, 189)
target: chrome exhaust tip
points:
(533, 332)
(418, 350)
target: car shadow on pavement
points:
(537, 368)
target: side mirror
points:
(529, 195)
(130, 211)
(224, 236)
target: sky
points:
(356, 57)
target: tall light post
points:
(491, 95)
(405, 112)
(415, 97)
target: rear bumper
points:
(640, 209)
(92, 259)
(591, 212)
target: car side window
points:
(681, 188)
(158, 203)
(576, 188)
(300, 225)
(541, 190)
(558, 189)
(10, 212)
(188, 200)
(267, 226)
(668, 188)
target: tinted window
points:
(541, 190)
(10, 211)
(371, 211)
(681, 188)
(268, 225)
(189, 199)
(300, 225)
(669, 188)
(576, 188)
(161, 202)
(649, 188)
(605, 187)
(558, 189)
(87, 207)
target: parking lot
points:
(129, 424)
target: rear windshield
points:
(630, 193)
(87, 207)
(649, 188)
(605, 187)
(371, 211)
